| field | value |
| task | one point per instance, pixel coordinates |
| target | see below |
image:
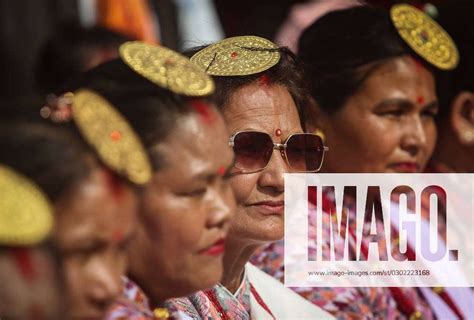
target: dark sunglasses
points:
(303, 152)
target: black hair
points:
(53, 158)
(287, 72)
(152, 111)
(457, 17)
(343, 48)
(66, 53)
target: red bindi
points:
(420, 100)
(278, 132)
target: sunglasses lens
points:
(252, 150)
(305, 152)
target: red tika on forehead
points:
(264, 80)
(203, 109)
(418, 64)
(24, 262)
(114, 185)
(418, 67)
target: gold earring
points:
(320, 133)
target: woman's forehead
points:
(195, 142)
(402, 77)
(261, 106)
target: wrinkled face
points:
(95, 223)
(388, 125)
(264, 108)
(185, 210)
(31, 284)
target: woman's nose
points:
(222, 207)
(272, 175)
(414, 136)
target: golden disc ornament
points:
(114, 140)
(166, 68)
(238, 56)
(425, 36)
(26, 216)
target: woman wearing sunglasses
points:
(94, 211)
(260, 92)
(376, 105)
(186, 206)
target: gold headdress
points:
(25, 214)
(166, 68)
(426, 37)
(238, 56)
(112, 137)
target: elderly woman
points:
(186, 206)
(261, 95)
(370, 127)
(94, 216)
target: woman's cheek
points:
(242, 186)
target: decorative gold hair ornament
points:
(114, 140)
(425, 36)
(238, 56)
(26, 216)
(166, 68)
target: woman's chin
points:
(207, 279)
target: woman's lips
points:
(270, 207)
(214, 250)
(406, 167)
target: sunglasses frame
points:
(282, 148)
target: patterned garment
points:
(134, 305)
(343, 303)
(216, 303)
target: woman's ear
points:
(462, 117)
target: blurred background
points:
(43, 43)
